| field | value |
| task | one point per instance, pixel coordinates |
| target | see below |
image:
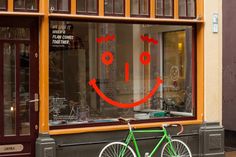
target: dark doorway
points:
(19, 87)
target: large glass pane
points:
(144, 7)
(24, 89)
(191, 8)
(134, 7)
(3, 4)
(122, 61)
(159, 7)
(182, 8)
(9, 79)
(108, 4)
(81, 5)
(119, 6)
(168, 8)
(92, 6)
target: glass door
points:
(19, 92)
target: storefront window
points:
(114, 7)
(187, 8)
(87, 7)
(3, 4)
(26, 5)
(123, 62)
(139, 7)
(164, 8)
(59, 6)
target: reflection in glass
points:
(19, 4)
(159, 7)
(92, 6)
(14, 33)
(177, 67)
(134, 7)
(3, 4)
(108, 6)
(24, 89)
(9, 79)
(144, 7)
(191, 8)
(81, 5)
(63, 5)
(59, 5)
(119, 6)
(73, 101)
(26, 4)
(182, 8)
(168, 8)
(32, 4)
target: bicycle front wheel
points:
(176, 148)
(117, 149)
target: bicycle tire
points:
(113, 149)
(181, 149)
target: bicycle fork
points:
(171, 150)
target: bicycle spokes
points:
(176, 149)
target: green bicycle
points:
(172, 147)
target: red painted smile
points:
(93, 84)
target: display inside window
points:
(3, 4)
(187, 8)
(114, 7)
(164, 8)
(59, 6)
(95, 68)
(26, 5)
(87, 7)
(139, 7)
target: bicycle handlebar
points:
(175, 125)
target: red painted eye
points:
(145, 58)
(107, 58)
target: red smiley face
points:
(108, 58)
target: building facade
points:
(71, 68)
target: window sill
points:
(118, 127)
(113, 18)
(20, 13)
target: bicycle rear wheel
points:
(117, 149)
(176, 148)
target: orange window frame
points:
(44, 64)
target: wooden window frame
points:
(186, 7)
(86, 12)
(163, 10)
(25, 9)
(160, 120)
(6, 6)
(140, 15)
(113, 10)
(61, 11)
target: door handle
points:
(36, 102)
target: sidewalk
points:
(230, 154)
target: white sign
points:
(11, 148)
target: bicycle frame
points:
(165, 136)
